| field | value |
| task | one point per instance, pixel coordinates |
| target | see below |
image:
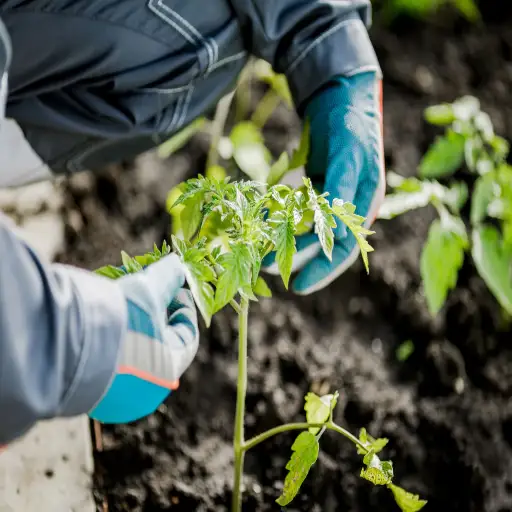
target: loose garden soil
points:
(447, 410)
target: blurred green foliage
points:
(389, 9)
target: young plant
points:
(232, 226)
(469, 143)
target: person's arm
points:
(310, 41)
(60, 335)
(324, 49)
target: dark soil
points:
(447, 410)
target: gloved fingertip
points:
(166, 277)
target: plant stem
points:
(265, 108)
(234, 304)
(217, 129)
(251, 443)
(238, 442)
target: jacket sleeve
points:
(310, 41)
(60, 333)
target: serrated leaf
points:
(202, 292)
(261, 288)
(407, 501)
(235, 275)
(278, 169)
(191, 216)
(371, 443)
(300, 155)
(318, 409)
(377, 472)
(345, 212)
(284, 242)
(110, 271)
(444, 156)
(305, 453)
(323, 218)
(493, 263)
(441, 258)
(440, 115)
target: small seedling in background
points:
(404, 350)
(232, 227)
(469, 140)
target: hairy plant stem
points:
(238, 441)
(265, 108)
(330, 425)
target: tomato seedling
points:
(469, 141)
(231, 227)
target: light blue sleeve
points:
(60, 334)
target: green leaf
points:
(440, 115)
(354, 222)
(201, 291)
(300, 155)
(323, 217)
(284, 242)
(190, 217)
(197, 273)
(441, 259)
(235, 275)
(130, 264)
(250, 152)
(405, 500)
(466, 108)
(305, 452)
(261, 288)
(377, 472)
(177, 141)
(278, 169)
(444, 156)
(318, 409)
(469, 10)
(110, 271)
(493, 263)
(483, 193)
(371, 443)
(404, 350)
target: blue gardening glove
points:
(346, 160)
(160, 343)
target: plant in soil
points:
(470, 148)
(231, 227)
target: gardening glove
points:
(161, 341)
(345, 160)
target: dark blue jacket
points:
(95, 81)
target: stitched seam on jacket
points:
(227, 60)
(317, 41)
(189, 32)
(186, 106)
(23, 10)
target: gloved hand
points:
(346, 159)
(160, 343)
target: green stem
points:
(238, 442)
(251, 443)
(265, 108)
(217, 129)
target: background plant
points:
(468, 146)
(235, 226)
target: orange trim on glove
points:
(130, 370)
